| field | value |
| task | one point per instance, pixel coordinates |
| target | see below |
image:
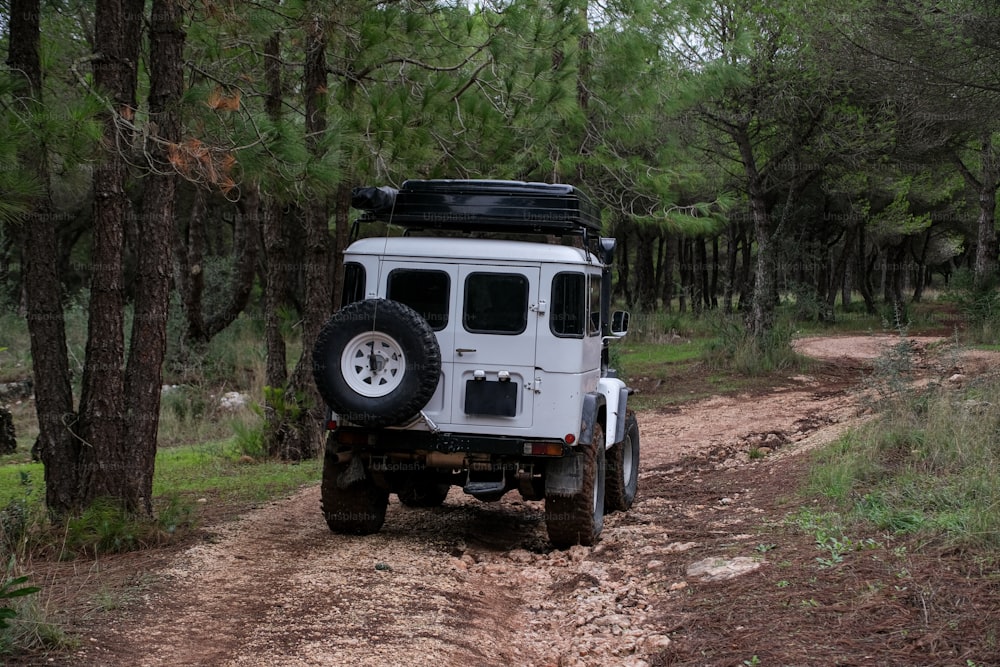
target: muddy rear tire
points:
(579, 518)
(352, 503)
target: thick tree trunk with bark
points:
(105, 462)
(189, 257)
(276, 262)
(300, 435)
(760, 318)
(986, 191)
(56, 445)
(148, 344)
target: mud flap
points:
(564, 477)
(592, 404)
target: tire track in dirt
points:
(277, 588)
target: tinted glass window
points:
(426, 292)
(496, 303)
(595, 305)
(354, 283)
(569, 304)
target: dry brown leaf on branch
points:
(220, 100)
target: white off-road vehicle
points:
(463, 357)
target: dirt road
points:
(477, 584)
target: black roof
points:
(481, 205)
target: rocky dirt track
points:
(700, 572)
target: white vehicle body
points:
(477, 362)
(551, 370)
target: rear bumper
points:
(391, 441)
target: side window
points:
(594, 283)
(569, 304)
(354, 283)
(426, 292)
(495, 303)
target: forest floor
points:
(710, 567)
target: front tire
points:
(352, 503)
(579, 518)
(623, 468)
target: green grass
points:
(185, 478)
(643, 358)
(926, 465)
(216, 470)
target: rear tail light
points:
(545, 449)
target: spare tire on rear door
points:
(376, 362)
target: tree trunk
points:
(732, 278)
(105, 462)
(342, 222)
(644, 272)
(667, 282)
(148, 343)
(986, 242)
(894, 258)
(57, 445)
(661, 241)
(839, 274)
(303, 428)
(189, 259)
(846, 285)
(761, 316)
(245, 248)
(697, 258)
(866, 267)
(275, 248)
(624, 264)
(706, 272)
(746, 270)
(684, 259)
(713, 287)
(921, 272)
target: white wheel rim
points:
(373, 364)
(627, 460)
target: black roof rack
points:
(481, 206)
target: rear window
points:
(495, 303)
(426, 292)
(354, 283)
(594, 284)
(569, 304)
